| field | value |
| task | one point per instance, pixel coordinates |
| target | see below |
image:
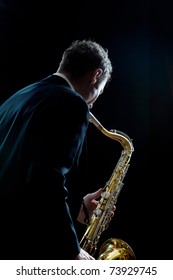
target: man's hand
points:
(83, 255)
(89, 205)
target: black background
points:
(138, 101)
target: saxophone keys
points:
(105, 195)
(97, 212)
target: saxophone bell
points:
(116, 249)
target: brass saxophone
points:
(113, 248)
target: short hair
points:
(84, 56)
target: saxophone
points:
(113, 248)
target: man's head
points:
(87, 66)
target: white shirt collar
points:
(65, 78)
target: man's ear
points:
(96, 75)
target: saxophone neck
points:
(117, 135)
(93, 120)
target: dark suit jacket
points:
(42, 129)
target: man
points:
(42, 130)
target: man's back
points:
(35, 125)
